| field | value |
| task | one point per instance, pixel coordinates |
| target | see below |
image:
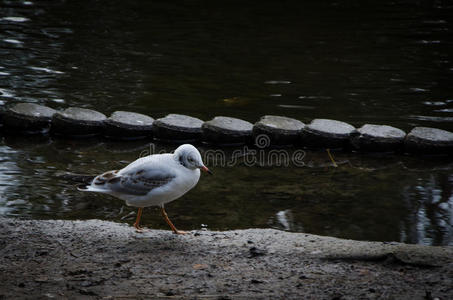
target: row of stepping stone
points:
(268, 131)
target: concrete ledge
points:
(104, 260)
(378, 138)
(75, 121)
(280, 130)
(326, 133)
(178, 128)
(128, 125)
(227, 131)
(426, 140)
(28, 118)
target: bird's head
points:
(188, 156)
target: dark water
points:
(384, 62)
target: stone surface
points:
(426, 140)
(28, 118)
(279, 130)
(178, 128)
(128, 125)
(325, 133)
(75, 121)
(95, 259)
(377, 138)
(227, 131)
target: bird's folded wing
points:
(135, 182)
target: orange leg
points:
(137, 221)
(164, 214)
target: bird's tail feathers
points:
(90, 188)
(83, 187)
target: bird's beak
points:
(204, 168)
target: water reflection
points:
(8, 169)
(284, 220)
(419, 210)
(430, 205)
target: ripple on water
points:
(277, 82)
(6, 93)
(295, 106)
(428, 42)
(315, 97)
(431, 118)
(434, 22)
(47, 70)
(445, 110)
(418, 90)
(15, 19)
(434, 103)
(13, 41)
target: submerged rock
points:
(128, 125)
(377, 138)
(427, 140)
(227, 131)
(28, 118)
(279, 130)
(178, 128)
(326, 133)
(75, 121)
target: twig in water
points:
(331, 158)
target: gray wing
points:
(137, 181)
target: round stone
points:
(426, 140)
(28, 118)
(178, 128)
(325, 133)
(128, 125)
(376, 138)
(227, 131)
(75, 121)
(277, 130)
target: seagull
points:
(152, 180)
